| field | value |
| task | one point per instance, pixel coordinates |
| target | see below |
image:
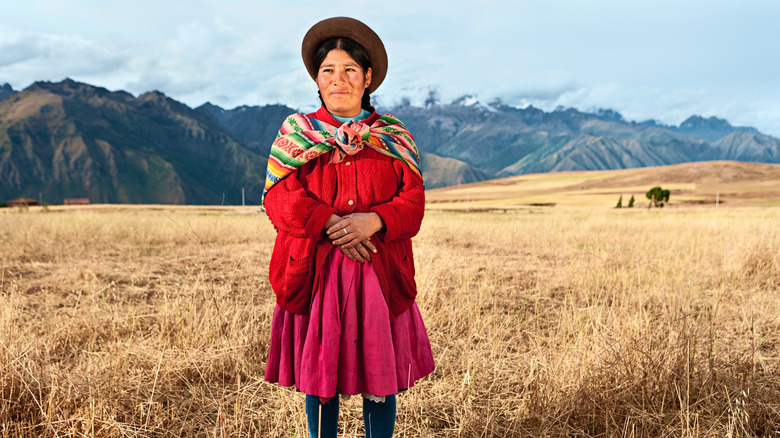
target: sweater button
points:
(348, 163)
(351, 202)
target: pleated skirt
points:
(347, 344)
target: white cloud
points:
(663, 59)
(46, 56)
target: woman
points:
(345, 193)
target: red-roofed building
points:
(76, 201)
(22, 202)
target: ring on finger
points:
(345, 231)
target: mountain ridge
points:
(506, 141)
(6, 91)
(70, 139)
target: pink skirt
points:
(347, 344)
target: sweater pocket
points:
(298, 271)
(407, 260)
(298, 280)
(292, 274)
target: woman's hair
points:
(355, 51)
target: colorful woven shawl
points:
(303, 138)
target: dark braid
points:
(366, 102)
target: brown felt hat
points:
(350, 28)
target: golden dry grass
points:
(731, 183)
(122, 322)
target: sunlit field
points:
(120, 322)
(705, 183)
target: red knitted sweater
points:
(301, 203)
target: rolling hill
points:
(729, 183)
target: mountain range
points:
(505, 141)
(70, 139)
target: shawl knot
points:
(349, 140)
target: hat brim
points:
(350, 28)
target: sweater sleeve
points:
(403, 214)
(291, 209)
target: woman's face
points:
(342, 83)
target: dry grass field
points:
(544, 322)
(730, 183)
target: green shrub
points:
(657, 197)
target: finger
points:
(356, 255)
(367, 243)
(347, 254)
(347, 241)
(342, 239)
(338, 227)
(337, 233)
(363, 252)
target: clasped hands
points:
(352, 234)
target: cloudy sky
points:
(648, 59)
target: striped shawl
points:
(303, 138)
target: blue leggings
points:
(378, 418)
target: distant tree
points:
(657, 197)
(620, 202)
(631, 202)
